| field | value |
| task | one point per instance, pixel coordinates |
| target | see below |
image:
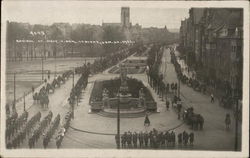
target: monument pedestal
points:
(124, 101)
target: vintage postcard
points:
(125, 79)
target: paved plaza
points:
(89, 130)
(213, 137)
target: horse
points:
(35, 97)
(55, 83)
(49, 87)
(60, 79)
(44, 101)
(42, 90)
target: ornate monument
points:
(123, 76)
(130, 94)
(124, 95)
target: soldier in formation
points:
(64, 129)
(40, 128)
(155, 139)
(51, 130)
(21, 129)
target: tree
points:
(112, 34)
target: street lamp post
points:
(73, 79)
(236, 123)
(42, 68)
(44, 50)
(118, 121)
(14, 91)
(14, 49)
(179, 86)
(24, 102)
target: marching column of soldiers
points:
(183, 78)
(42, 95)
(155, 139)
(25, 128)
(64, 129)
(39, 129)
(81, 84)
(14, 123)
(51, 131)
(155, 78)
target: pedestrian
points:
(155, 141)
(180, 139)
(9, 145)
(162, 139)
(30, 143)
(129, 139)
(185, 138)
(48, 74)
(45, 143)
(117, 140)
(135, 137)
(123, 140)
(146, 121)
(33, 89)
(151, 139)
(146, 137)
(166, 137)
(58, 141)
(212, 98)
(228, 121)
(173, 138)
(167, 104)
(141, 139)
(191, 138)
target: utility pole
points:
(73, 106)
(55, 61)
(72, 50)
(118, 121)
(27, 48)
(236, 124)
(14, 91)
(77, 100)
(24, 101)
(73, 79)
(42, 68)
(44, 51)
(179, 86)
(14, 49)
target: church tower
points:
(125, 15)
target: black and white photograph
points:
(125, 78)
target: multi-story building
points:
(212, 37)
(195, 16)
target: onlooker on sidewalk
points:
(212, 98)
(167, 105)
(146, 121)
(228, 121)
(33, 89)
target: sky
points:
(146, 14)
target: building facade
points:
(211, 39)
